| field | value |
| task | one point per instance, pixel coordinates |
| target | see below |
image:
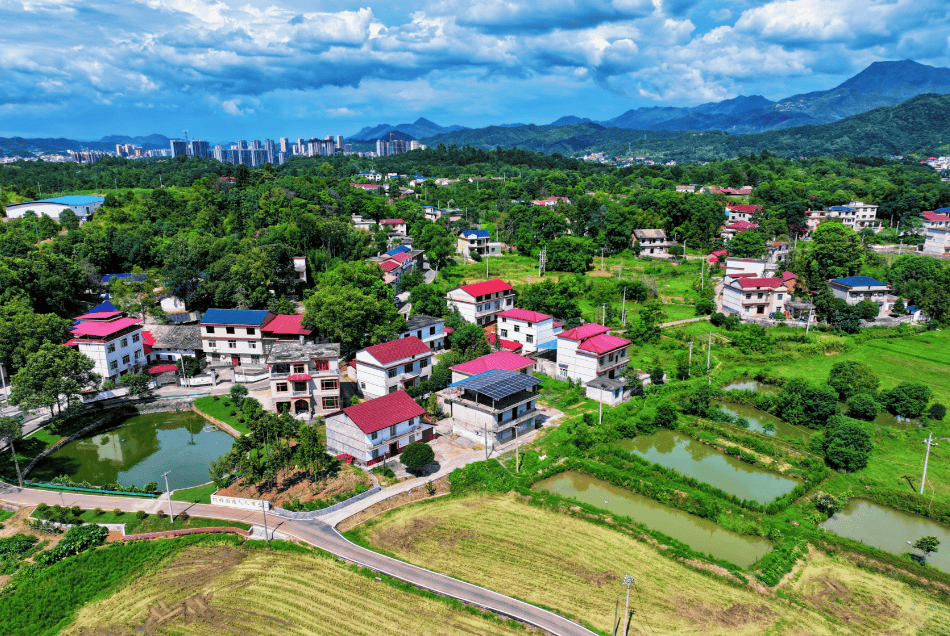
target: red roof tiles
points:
(488, 287)
(504, 360)
(510, 345)
(584, 331)
(389, 265)
(603, 343)
(392, 222)
(744, 208)
(383, 412)
(287, 324)
(162, 368)
(398, 349)
(760, 282)
(102, 315)
(933, 216)
(524, 314)
(97, 328)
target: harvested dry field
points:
(223, 590)
(575, 566)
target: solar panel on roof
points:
(498, 384)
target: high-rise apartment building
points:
(271, 149)
(242, 144)
(382, 148)
(285, 145)
(220, 154)
(179, 148)
(398, 147)
(199, 148)
(339, 143)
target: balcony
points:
(385, 441)
(299, 393)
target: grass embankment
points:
(198, 494)
(575, 566)
(154, 523)
(225, 588)
(219, 407)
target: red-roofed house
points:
(742, 212)
(374, 430)
(526, 328)
(112, 341)
(508, 345)
(504, 360)
(731, 229)
(747, 295)
(398, 364)
(589, 352)
(480, 303)
(716, 256)
(937, 230)
(286, 327)
(393, 226)
(551, 201)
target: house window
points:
(393, 389)
(748, 296)
(281, 387)
(517, 328)
(252, 345)
(229, 330)
(503, 319)
(300, 368)
(412, 438)
(760, 295)
(322, 365)
(529, 338)
(113, 365)
(331, 402)
(232, 344)
(431, 331)
(138, 353)
(392, 372)
(300, 387)
(209, 329)
(362, 385)
(251, 331)
(124, 343)
(392, 430)
(504, 333)
(780, 296)
(135, 337)
(111, 348)
(407, 368)
(125, 359)
(374, 435)
(255, 359)
(211, 344)
(423, 363)
(329, 385)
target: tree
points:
(802, 404)
(907, 399)
(937, 411)
(656, 375)
(868, 309)
(835, 252)
(646, 328)
(558, 299)
(935, 304)
(826, 503)
(899, 309)
(237, 394)
(849, 378)
(352, 317)
(11, 431)
(705, 306)
(862, 406)
(634, 381)
(139, 384)
(847, 445)
(428, 300)
(926, 545)
(666, 415)
(410, 281)
(51, 374)
(311, 452)
(22, 331)
(570, 254)
(747, 244)
(281, 306)
(416, 456)
(68, 219)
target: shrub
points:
(117, 512)
(161, 513)
(215, 397)
(826, 503)
(42, 508)
(718, 319)
(907, 399)
(850, 378)
(151, 486)
(140, 514)
(417, 455)
(862, 406)
(232, 412)
(666, 415)
(98, 512)
(183, 516)
(705, 306)
(937, 411)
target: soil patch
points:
(402, 538)
(441, 486)
(295, 483)
(836, 598)
(734, 616)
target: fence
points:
(35, 484)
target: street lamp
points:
(168, 492)
(627, 580)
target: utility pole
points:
(808, 322)
(264, 511)
(689, 369)
(603, 314)
(702, 275)
(619, 272)
(929, 442)
(486, 440)
(600, 417)
(708, 359)
(169, 493)
(623, 309)
(601, 259)
(627, 580)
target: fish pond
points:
(890, 530)
(702, 535)
(762, 422)
(751, 385)
(139, 451)
(703, 463)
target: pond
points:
(139, 451)
(890, 530)
(887, 419)
(703, 463)
(700, 534)
(758, 418)
(751, 385)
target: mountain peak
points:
(904, 78)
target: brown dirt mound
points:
(402, 538)
(734, 616)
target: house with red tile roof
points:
(480, 303)
(526, 329)
(730, 230)
(286, 327)
(395, 227)
(112, 341)
(937, 231)
(391, 366)
(742, 212)
(504, 360)
(377, 429)
(750, 295)
(588, 353)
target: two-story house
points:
(652, 242)
(857, 215)
(498, 405)
(171, 343)
(749, 295)
(743, 212)
(854, 289)
(377, 429)
(304, 378)
(936, 226)
(428, 329)
(589, 351)
(730, 230)
(235, 335)
(758, 266)
(112, 341)
(473, 242)
(504, 360)
(398, 364)
(528, 328)
(395, 227)
(286, 328)
(480, 303)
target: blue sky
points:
(229, 69)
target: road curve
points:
(323, 536)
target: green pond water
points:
(751, 385)
(703, 463)
(141, 450)
(758, 418)
(890, 530)
(700, 534)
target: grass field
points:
(216, 409)
(576, 567)
(226, 589)
(198, 494)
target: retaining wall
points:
(316, 514)
(186, 531)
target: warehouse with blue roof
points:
(83, 205)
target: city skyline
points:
(86, 68)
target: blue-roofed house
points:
(103, 307)
(399, 249)
(499, 404)
(235, 336)
(84, 206)
(474, 241)
(854, 289)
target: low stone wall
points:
(165, 406)
(186, 531)
(230, 430)
(316, 514)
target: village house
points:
(477, 242)
(112, 340)
(395, 227)
(389, 367)
(286, 328)
(854, 289)
(235, 336)
(748, 295)
(589, 351)
(480, 303)
(300, 266)
(757, 266)
(378, 429)
(936, 226)
(551, 201)
(731, 230)
(504, 360)
(304, 378)
(171, 343)
(527, 328)
(777, 252)
(428, 329)
(742, 212)
(494, 407)
(857, 215)
(652, 242)
(398, 262)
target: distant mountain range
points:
(21, 145)
(420, 128)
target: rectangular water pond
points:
(703, 463)
(700, 534)
(890, 530)
(758, 420)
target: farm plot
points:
(225, 590)
(576, 567)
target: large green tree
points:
(570, 254)
(352, 317)
(52, 374)
(748, 244)
(22, 331)
(847, 444)
(834, 252)
(851, 377)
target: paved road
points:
(323, 536)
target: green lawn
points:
(154, 523)
(216, 408)
(198, 494)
